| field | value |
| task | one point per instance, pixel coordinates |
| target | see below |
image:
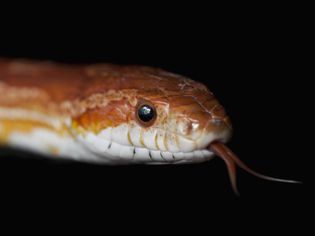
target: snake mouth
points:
(117, 153)
(112, 152)
(197, 156)
(121, 147)
(232, 161)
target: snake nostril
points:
(216, 121)
(227, 122)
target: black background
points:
(255, 65)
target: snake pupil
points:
(146, 113)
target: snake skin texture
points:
(89, 113)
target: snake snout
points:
(216, 130)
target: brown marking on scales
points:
(112, 115)
(55, 82)
(14, 93)
(57, 79)
(98, 100)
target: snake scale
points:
(112, 114)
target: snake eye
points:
(146, 113)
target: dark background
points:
(255, 65)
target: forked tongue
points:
(231, 161)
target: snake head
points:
(148, 116)
(188, 119)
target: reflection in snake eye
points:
(146, 113)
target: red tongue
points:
(231, 161)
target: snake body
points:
(113, 114)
